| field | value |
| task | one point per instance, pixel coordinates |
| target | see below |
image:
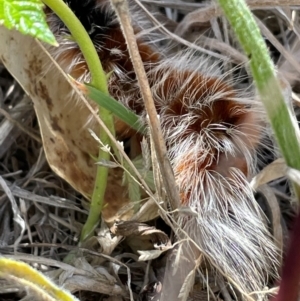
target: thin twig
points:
(121, 8)
(223, 289)
(177, 38)
(227, 52)
(275, 216)
(20, 125)
(285, 53)
(203, 15)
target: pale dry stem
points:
(122, 11)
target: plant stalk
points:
(99, 81)
(263, 71)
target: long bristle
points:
(212, 131)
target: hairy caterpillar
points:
(212, 131)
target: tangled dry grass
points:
(41, 216)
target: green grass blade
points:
(118, 109)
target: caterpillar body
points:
(212, 131)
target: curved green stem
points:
(263, 71)
(83, 40)
(99, 81)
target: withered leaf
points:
(141, 236)
(273, 171)
(68, 145)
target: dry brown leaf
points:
(275, 217)
(106, 241)
(273, 171)
(80, 283)
(67, 142)
(147, 212)
(150, 255)
(187, 285)
(182, 263)
(140, 236)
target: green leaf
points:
(28, 17)
(118, 109)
